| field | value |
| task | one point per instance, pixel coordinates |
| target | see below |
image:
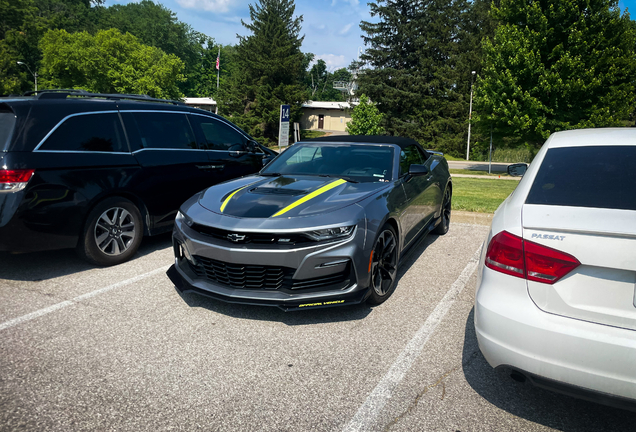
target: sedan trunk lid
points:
(603, 288)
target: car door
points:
(420, 204)
(228, 149)
(173, 167)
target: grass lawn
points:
(307, 134)
(451, 158)
(480, 195)
(471, 172)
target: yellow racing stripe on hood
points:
(229, 197)
(312, 195)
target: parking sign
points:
(283, 134)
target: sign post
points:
(283, 134)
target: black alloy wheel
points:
(444, 222)
(112, 233)
(384, 263)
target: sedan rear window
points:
(596, 176)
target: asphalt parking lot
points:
(119, 348)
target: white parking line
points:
(367, 414)
(57, 306)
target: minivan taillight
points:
(14, 180)
(512, 255)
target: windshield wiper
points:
(349, 179)
(270, 174)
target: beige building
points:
(325, 115)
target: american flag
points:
(217, 62)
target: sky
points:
(331, 27)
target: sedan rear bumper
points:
(557, 351)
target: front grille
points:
(251, 237)
(244, 276)
(241, 275)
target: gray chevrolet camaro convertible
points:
(323, 224)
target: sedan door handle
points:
(210, 167)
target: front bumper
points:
(289, 277)
(559, 352)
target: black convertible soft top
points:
(370, 139)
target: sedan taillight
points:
(512, 255)
(14, 180)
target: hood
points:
(284, 196)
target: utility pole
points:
(470, 114)
(35, 75)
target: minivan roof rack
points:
(64, 93)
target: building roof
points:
(200, 101)
(328, 105)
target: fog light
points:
(186, 253)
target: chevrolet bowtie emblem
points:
(236, 237)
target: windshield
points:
(362, 163)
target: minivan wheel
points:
(112, 233)
(384, 263)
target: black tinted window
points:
(7, 123)
(164, 130)
(90, 132)
(408, 156)
(601, 177)
(216, 134)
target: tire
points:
(444, 223)
(112, 232)
(384, 263)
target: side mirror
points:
(267, 160)
(418, 170)
(517, 170)
(251, 146)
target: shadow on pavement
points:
(534, 404)
(303, 317)
(38, 266)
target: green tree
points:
(556, 65)
(269, 70)
(366, 119)
(413, 69)
(109, 62)
(155, 25)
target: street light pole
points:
(470, 114)
(35, 75)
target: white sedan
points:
(556, 293)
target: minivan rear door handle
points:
(210, 167)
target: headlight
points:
(184, 218)
(330, 233)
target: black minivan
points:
(96, 172)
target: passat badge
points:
(236, 237)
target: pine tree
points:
(415, 71)
(556, 65)
(269, 73)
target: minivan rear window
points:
(88, 132)
(7, 124)
(595, 176)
